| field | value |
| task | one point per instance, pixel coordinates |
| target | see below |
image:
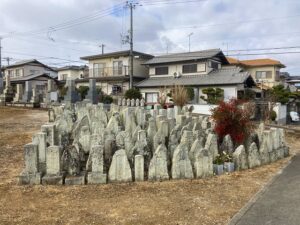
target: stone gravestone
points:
(264, 148)
(34, 97)
(120, 170)
(49, 130)
(40, 140)
(142, 102)
(132, 102)
(96, 176)
(137, 102)
(253, 156)
(92, 93)
(139, 168)
(227, 145)
(8, 93)
(119, 101)
(158, 168)
(28, 92)
(71, 95)
(128, 102)
(203, 164)
(123, 102)
(31, 174)
(19, 93)
(54, 174)
(240, 158)
(181, 164)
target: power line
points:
(71, 23)
(231, 23)
(43, 57)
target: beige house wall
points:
(74, 74)
(270, 82)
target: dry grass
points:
(179, 95)
(207, 201)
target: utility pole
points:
(7, 60)
(102, 47)
(190, 41)
(131, 7)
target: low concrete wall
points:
(203, 109)
(281, 111)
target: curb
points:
(237, 217)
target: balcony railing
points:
(109, 71)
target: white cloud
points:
(154, 27)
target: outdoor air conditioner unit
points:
(177, 74)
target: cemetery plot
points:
(210, 200)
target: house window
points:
(34, 71)
(10, 73)
(18, 72)
(164, 70)
(189, 68)
(117, 68)
(152, 97)
(277, 78)
(263, 74)
(98, 69)
(214, 65)
(116, 89)
(64, 76)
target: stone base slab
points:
(75, 180)
(53, 180)
(28, 179)
(96, 178)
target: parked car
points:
(294, 116)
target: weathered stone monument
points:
(8, 94)
(27, 92)
(71, 95)
(92, 93)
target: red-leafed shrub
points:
(233, 119)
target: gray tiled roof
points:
(219, 77)
(187, 56)
(72, 67)
(116, 54)
(28, 62)
(31, 77)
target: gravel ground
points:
(207, 201)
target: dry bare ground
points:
(208, 201)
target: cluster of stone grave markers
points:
(87, 145)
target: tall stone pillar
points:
(71, 96)
(28, 92)
(92, 94)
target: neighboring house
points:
(74, 72)
(28, 67)
(198, 70)
(265, 72)
(111, 70)
(33, 72)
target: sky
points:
(59, 32)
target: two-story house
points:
(265, 72)
(111, 70)
(199, 70)
(28, 67)
(74, 72)
(31, 71)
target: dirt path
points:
(209, 201)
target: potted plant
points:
(228, 164)
(218, 165)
